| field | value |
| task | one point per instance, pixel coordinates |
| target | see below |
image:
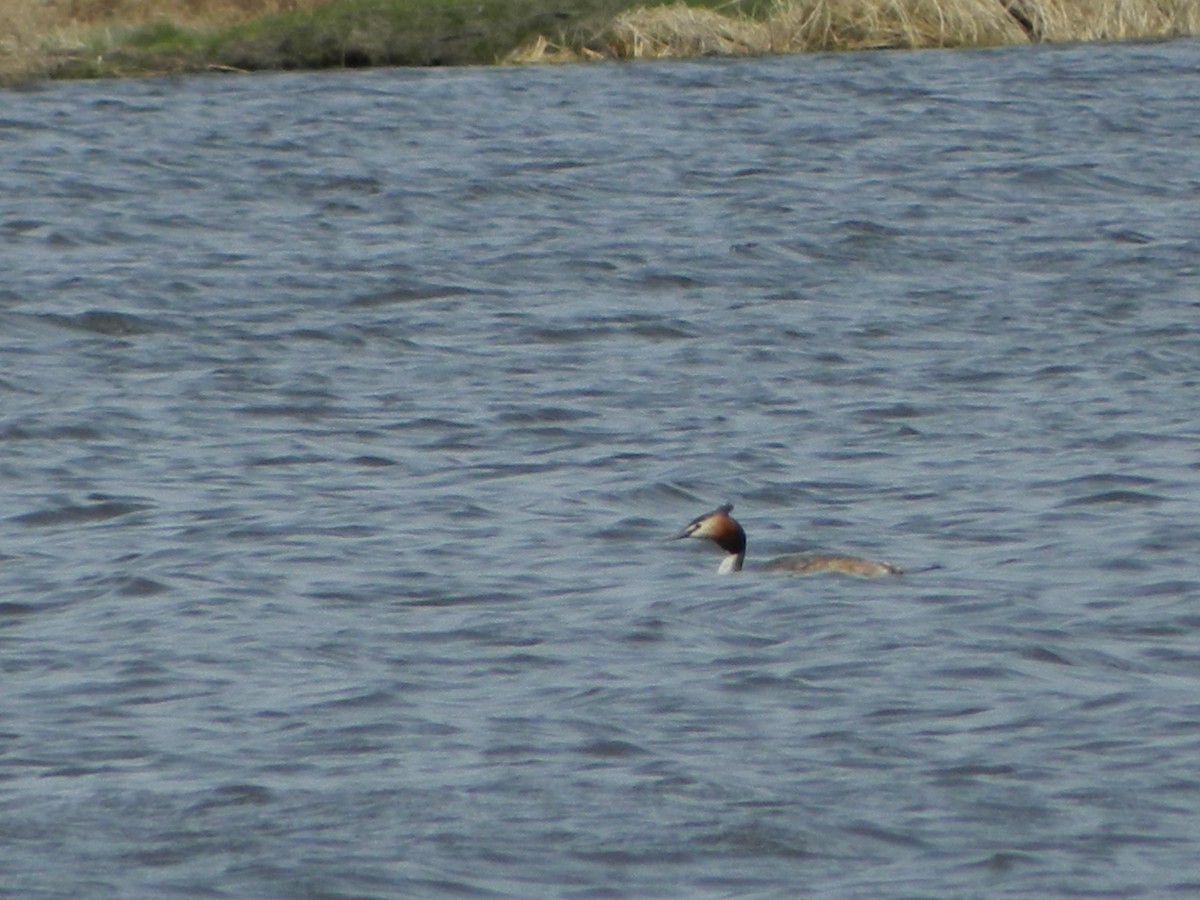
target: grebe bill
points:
(723, 530)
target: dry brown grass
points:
(23, 25)
(870, 24)
(679, 30)
(1098, 20)
(542, 50)
(819, 25)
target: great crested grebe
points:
(723, 530)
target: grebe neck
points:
(732, 563)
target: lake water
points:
(342, 416)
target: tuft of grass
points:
(1107, 20)
(891, 24)
(684, 31)
(25, 42)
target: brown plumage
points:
(846, 565)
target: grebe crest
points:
(723, 530)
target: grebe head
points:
(724, 531)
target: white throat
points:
(731, 563)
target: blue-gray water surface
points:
(342, 417)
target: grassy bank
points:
(73, 38)
(82, 38)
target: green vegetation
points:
(397, 32)
(343, 33)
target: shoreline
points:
(64, 39)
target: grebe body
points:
(723, 530)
